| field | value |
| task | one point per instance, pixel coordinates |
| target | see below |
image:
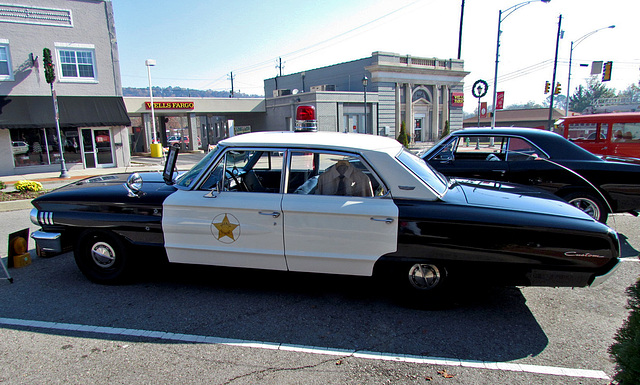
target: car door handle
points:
(386, 220)
(274, 214)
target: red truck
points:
(613, 136)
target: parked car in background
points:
(326, 202)
(543, 159)
(613, 136)
(176, 141)
(19, 147)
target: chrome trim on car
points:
(41, 217)
(49, 242)
(601, 278)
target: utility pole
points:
(231, 77)
(279, 66)
(553, 81)
(460, 32)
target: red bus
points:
(610, 135)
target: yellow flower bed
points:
(28, 185)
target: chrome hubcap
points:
(424, 276)
(103, 255)
(588, 206)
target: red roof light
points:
(306, 113)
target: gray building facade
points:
(81, 37)
(424, 93)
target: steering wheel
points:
(234, 174)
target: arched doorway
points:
(421, 101)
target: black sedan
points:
(542, 159)
(323, 202)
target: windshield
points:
(422, 170)
(187, 179)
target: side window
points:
(447, 151)
(520, 149)
(481, 148)
(246, 171)
(331, 174)
(6, 72)
(587, 132)
(626, 132)
(77, 62)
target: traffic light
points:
(606, 71)
(558, 89)
(547, 85)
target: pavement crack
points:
(289, 369)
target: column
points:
(408, 109)
(446, 99)
(435, 115)
(148, 128)
(193, 132)
(396, 129)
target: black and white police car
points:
(324, 202)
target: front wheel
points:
(593, 206)
(101, 256)
(419, 285)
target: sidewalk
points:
(52, 180)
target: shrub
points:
(446, 130)
(403, 138)
(28, 185)
(626, 350)
(2, 185)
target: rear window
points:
(436, 181)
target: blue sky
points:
(198, 43)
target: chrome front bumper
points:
(48, 242)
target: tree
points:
(559, 101)
(586, 96)
(445, 131)
(403, 137)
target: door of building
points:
(97, 148)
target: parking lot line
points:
(369, 355)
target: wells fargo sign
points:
(457, 99)
(169, 105)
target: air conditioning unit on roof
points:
(277, 93)
(324, 87)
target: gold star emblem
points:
(225, 228)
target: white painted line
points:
(369, 355)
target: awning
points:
(75, 111)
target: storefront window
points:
(34, 147)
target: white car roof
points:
(320, 139)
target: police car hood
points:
(515, 197)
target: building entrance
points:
(97, 148)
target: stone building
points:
(426, 92)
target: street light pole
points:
(150, 63)
(574, 44)
(506, 12)
(553, 80)
(365, 81)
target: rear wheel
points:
(593, 206)
(102, 257)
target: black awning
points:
(75, 111)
